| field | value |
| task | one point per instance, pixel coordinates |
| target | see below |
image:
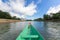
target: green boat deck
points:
(30, 33)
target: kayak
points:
(30, 33)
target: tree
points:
(5, 15)
(47, 17)
(56, 16)
(14, 17)
(38, 19)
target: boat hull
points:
(30, 33)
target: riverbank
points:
(8, 21)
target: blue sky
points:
(44, 6)
(30, 9)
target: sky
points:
(30, 9)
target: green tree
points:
(14, 17)
(47, 17)
(56, 16)
(38, 19)
(5, 15)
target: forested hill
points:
(6, 15)
(51, 17)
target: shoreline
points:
(8, 21)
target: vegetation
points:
(38, 19)
(52, 17)
(47, 17)
(6, 15)
(15, 18)
(28, 20)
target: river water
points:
(49, 30)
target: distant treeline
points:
(28, 20)
(38, 19)
(6, 15)
(51, 17)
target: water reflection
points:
(53, 31)
(4, 28)
(49, 30)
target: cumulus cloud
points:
(53, 9)
(18, 8)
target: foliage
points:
(38, 19)
(54, 17)
(6, 15)
(14, 17)
(47, 17)
(28, 20)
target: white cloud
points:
(16, 7)
(4, 6)
(14, 14)
(53, 9)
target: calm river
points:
(49, 30)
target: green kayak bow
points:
(30, 33)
